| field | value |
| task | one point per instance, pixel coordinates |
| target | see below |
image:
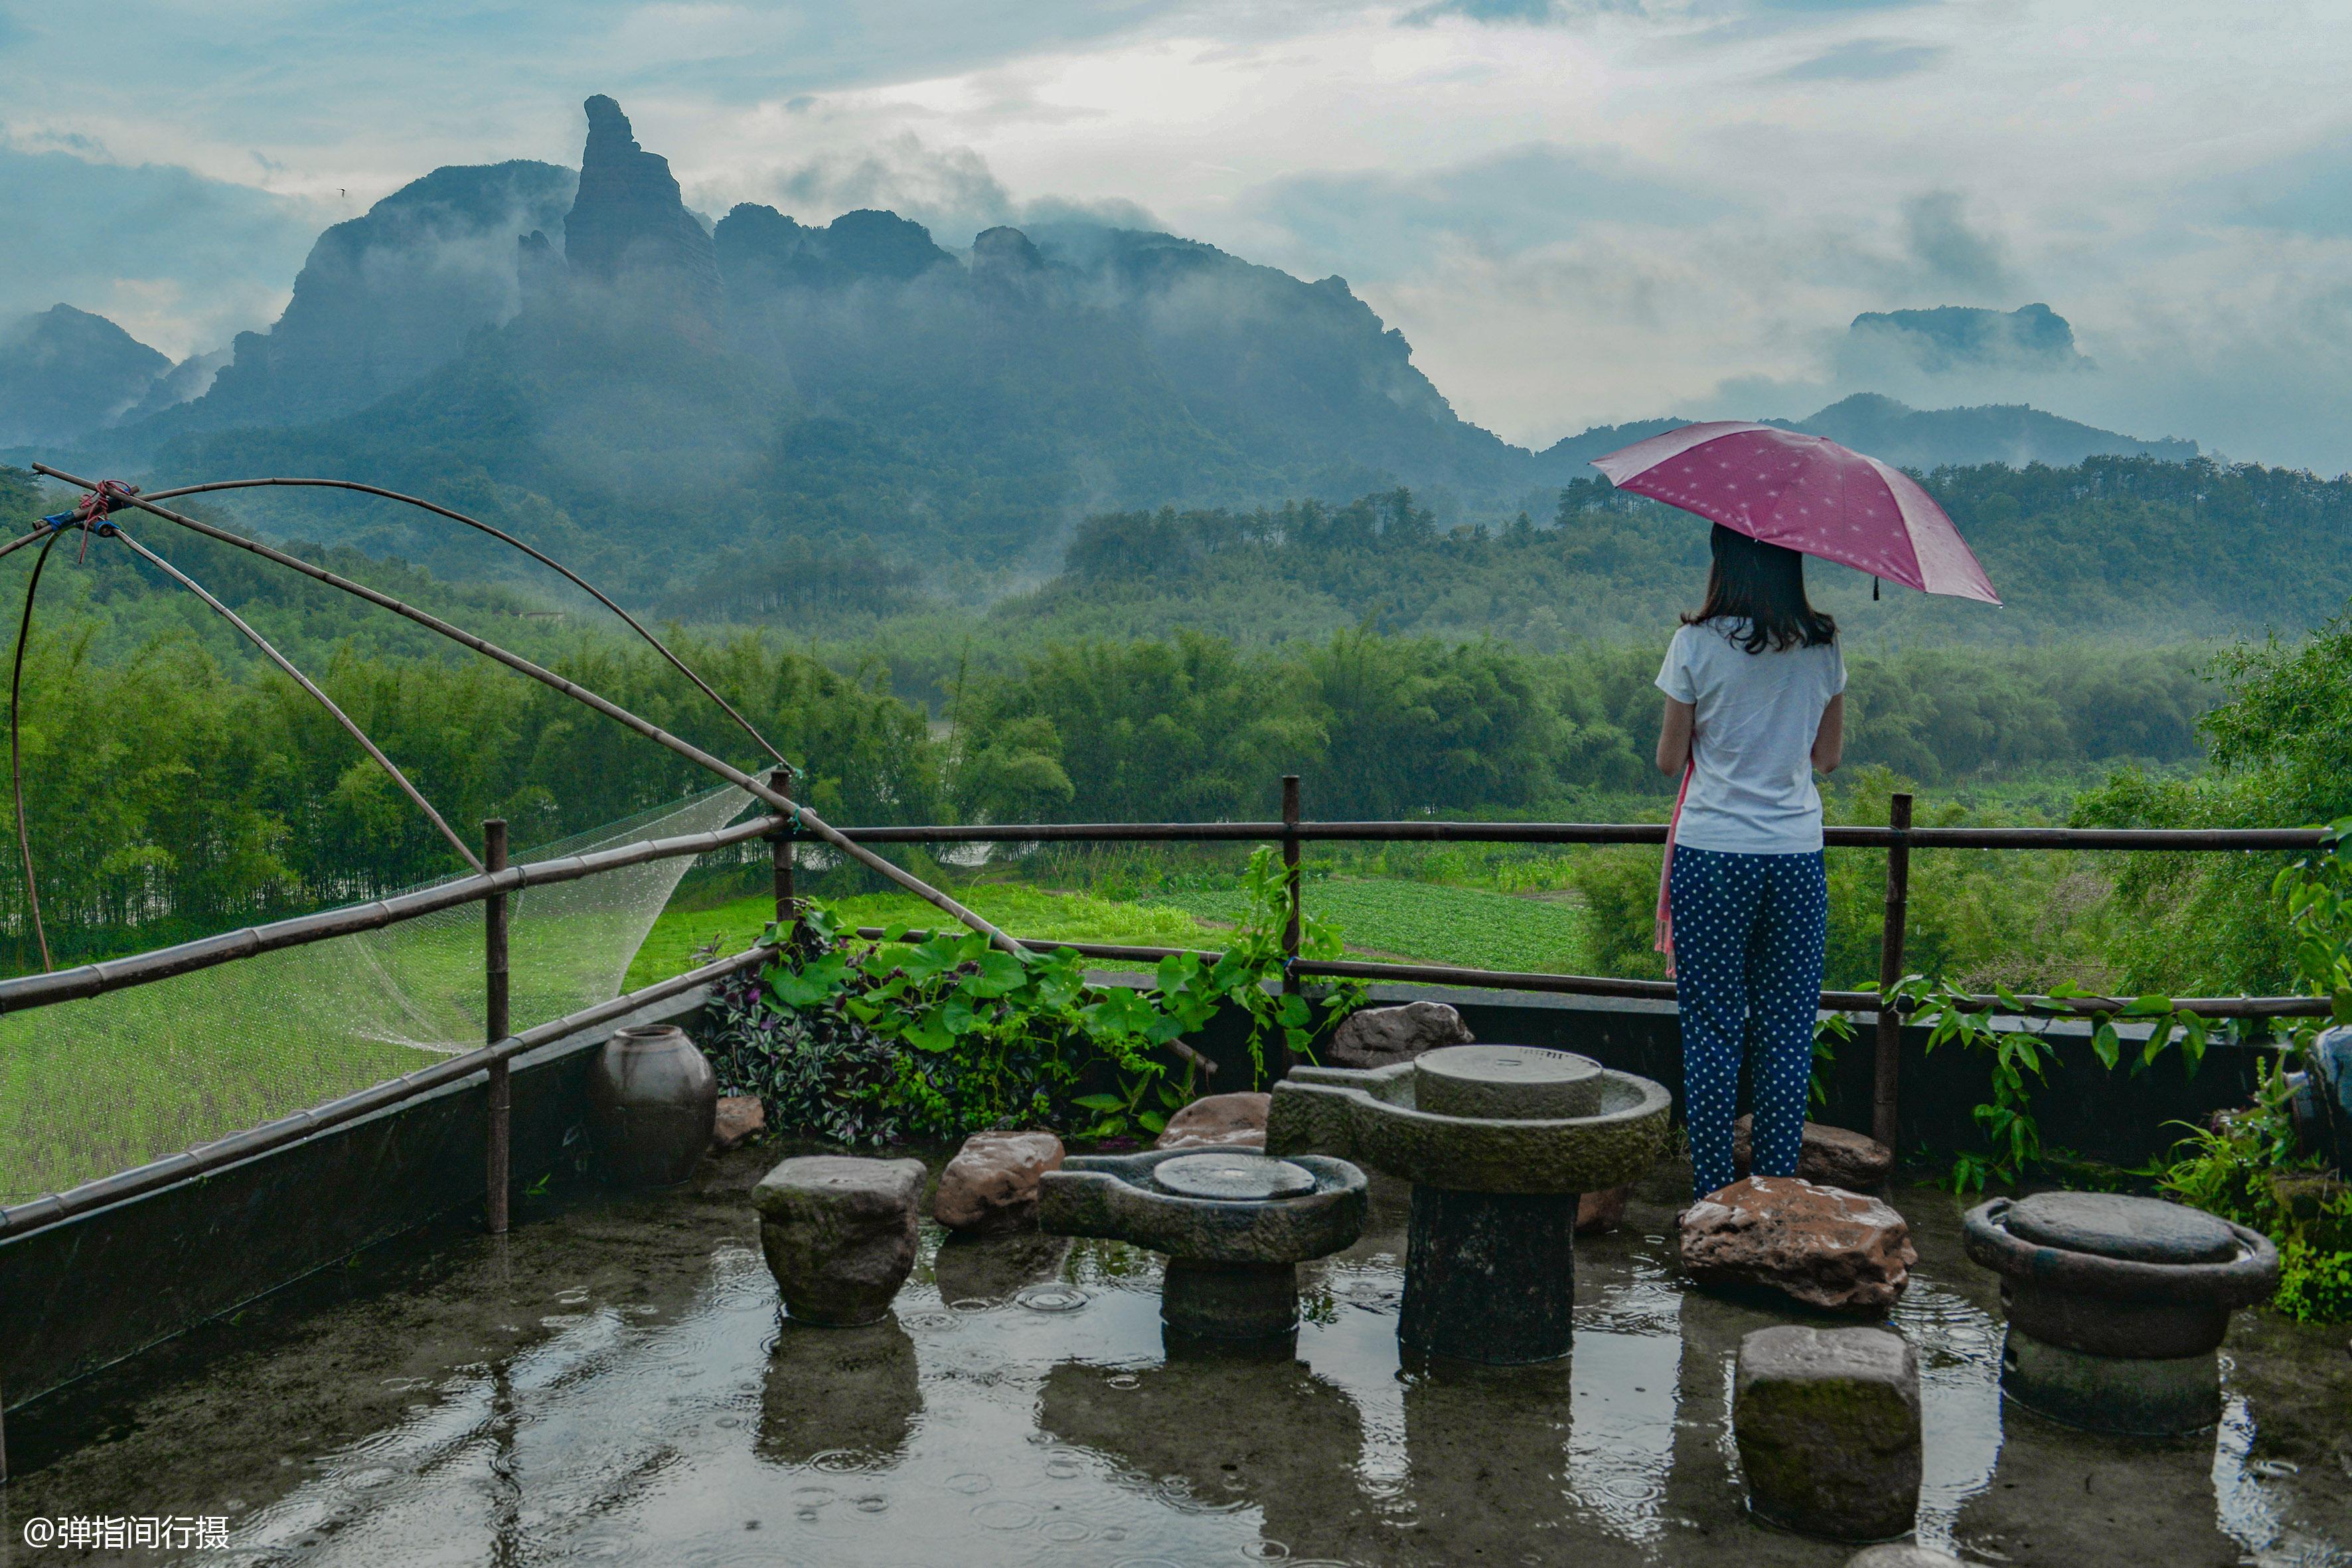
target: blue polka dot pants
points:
(1749, 934)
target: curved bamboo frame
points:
(801, 814)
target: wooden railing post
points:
(780, 852)
(497, 1180)
(1280, 1064)
(1883, 1121)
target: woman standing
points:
(1754, 685)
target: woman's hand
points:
(1675, 738)
(1829, 741)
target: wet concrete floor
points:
(611, 1383)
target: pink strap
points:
(1664, 941)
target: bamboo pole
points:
(547, 560)
(304, 681)
(800, 816)
(1884, 1122)
(499, 1155)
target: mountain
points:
(64, 372)
(584, 359)
(2009, 433)
(1955, 337)
(385, 298)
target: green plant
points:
(880, 1041)
(2018, 1060)
(2244, 1167)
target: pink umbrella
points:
(1808, 493)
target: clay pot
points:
(653, 1098)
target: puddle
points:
(663, 1414)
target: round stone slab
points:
(1237, 1177)
(2110, 1224)
(1507, 1083)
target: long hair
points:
(1763, 585)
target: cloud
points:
(1509, 12)
(1948, 249)
(1866, 60)
(1375, 224)
(179, 261)
(2305, 193)
(951, 191)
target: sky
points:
(1578, 212)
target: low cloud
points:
(179, 261)
(1866, 60)
(1376, 225)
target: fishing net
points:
(96, 1085)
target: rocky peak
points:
(1005, 249)
(64, 372)
(629, 225)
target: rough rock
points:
(990, 1186)
(1602, 1212)
(1376, 1037)
(741, 1118)
(2316, 1199)
(1827, 1421)
(1902, 1555)
(839, 1234)
(1824, 1246)
(1236, 1121)
(1832, 1156)
(629, 225)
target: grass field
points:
(1470, 926)
(1418, 921)
(1025, 912)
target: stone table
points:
(2117, 1305)
(1498, 1143)
(1234, 1224)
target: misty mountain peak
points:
(629, 225)
(1956, 337)
(1005, 249)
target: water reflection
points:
(1213, 1434)
(840, 1398)
(1486, 1459)
(992, 1268)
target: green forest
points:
(174, 786)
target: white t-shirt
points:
(1752, 732)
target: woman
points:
(1755, 703)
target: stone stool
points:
(1827, 1425)
(1498, 1142)
(2116, 1305)
(1234, 1224)
(839, 1234)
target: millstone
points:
(1507, 1083)
(1235, 1177)
(2110, 1224)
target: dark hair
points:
(1763, 585)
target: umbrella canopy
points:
(1807, 493)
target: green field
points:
(1386, 919)
(1022, 910)
(1432, 924)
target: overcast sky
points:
(1578, 211)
